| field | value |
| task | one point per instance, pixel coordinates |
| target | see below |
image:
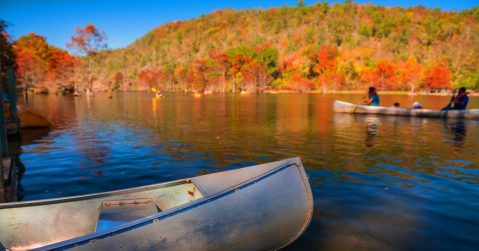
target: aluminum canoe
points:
(345, 107)
(262, 207)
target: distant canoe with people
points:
(345, 107)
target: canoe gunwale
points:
(81, 240)
(93, 196)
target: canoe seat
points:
(114, 213)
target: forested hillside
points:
(320, 47)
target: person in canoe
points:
(458, 102)
(372, 98)
(158, 94)
(416, 105)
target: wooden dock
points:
(8, 193)
(9, 125)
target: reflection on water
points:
(371, 130)
(456, 132)
(378, 182)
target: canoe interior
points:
(238, 209)
(27, 225)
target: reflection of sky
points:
(72, 162)
(125, 21)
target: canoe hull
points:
(268, 207)
(345, 107)
(32, 119)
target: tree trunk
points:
(89, 73)
(224, 81)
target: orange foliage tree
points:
(40, 64)
(32, 52)
(410, 74)
(198, 75)
(222, 66)
(181, 76)
(87, 42)
(384, 76)
(324, 59)
(117, 80)
(147, 79)
(438, 77)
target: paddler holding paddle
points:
(459, 101)
(372, 98)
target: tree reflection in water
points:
(371, 130)
(379, 182)
(455, 132)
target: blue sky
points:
(125, 21)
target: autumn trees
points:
(321, 47)
(87, 42)
(42, 65)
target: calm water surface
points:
(379, 183)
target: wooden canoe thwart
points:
(345, 107)
(263, 207)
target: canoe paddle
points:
(451, 102)
(353, 110)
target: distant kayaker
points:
(372, 97)
(158, 94)
(458, 102)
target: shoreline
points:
(405, 93)
(357, 92)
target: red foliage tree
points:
(409, 74)
(32, 59)
(324, 59)
(256, 74)
(438, 77)
(238, 69)
(221, 65)
(384, 76)
(117, 80)
(147, 79)
(181, 76)
(198, 76)
(300, 83)
(60, 67)
(28, 70)
(86, 42)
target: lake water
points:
(379, 183)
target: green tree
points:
(300, 4)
